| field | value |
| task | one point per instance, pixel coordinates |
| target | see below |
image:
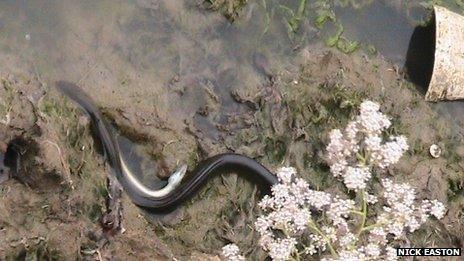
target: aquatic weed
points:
(293, 18)
(341, 43)
(229, 8)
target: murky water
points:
(382, 25)
(176, 57)
(169, 55)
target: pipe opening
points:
(420, 57)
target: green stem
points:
(361, 158)
(297, 256)
(372, 226)
(364, 214)
(301, 8)
(315, 228)
(357, 212)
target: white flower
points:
(372, 250)
(337, 168)
(433, 207)
(301, 191)
(374, 146)
(310, 250)
(266, 239)
(378, 236)
(392, 151)
(352, 131)
(266, 202)
(356, 177)
(281, 195)
(397, 194)
(318, 199)
(344, 149)
(330, 233)
(262, 224)
(351, 255)
(298, 221)
(282, 249)
(339, 210)
(282, 218)
(371, 199)
(369, 107)
(231, 252)
(373, 142)
(285, 174)
(438, 209)
(301, 218)
(371, 119)
(413, 224)
(347, 239)
(387, 154)
(289, 218)
(402, 211)
(317, 242)
(390, 254)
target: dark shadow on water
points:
(379, 24)
(421, 55)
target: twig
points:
(112, 219)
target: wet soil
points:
(180, 101)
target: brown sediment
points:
(314, 91)
(296, 126)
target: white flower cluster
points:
(400, 212)
(369, 252)
(298, 222)
(287, 212)
(354, 154)
(231, 252)
(291, 224)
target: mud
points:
(175, 109)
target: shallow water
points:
(164, 66)
(143, 52)
(386, 27)
(147, 52)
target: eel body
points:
(181, 185)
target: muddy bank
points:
(52, 205)
(179, 86)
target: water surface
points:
(173, 58)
